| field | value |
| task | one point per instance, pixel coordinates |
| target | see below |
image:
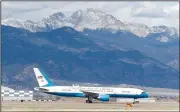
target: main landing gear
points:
(89, 100)
(134, 102)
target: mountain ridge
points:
(56, 53)
(93, 19)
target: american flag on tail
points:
(40, 77)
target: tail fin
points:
(42, 79)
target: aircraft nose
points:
(144, 95)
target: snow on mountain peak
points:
(95, 19)
(13, 22)
(54, 21)
(25, 24)
(142, 31)
(163, 28)
(80, 19)
(138, 29)
(92, 19)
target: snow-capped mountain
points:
(54, 21)
(28, 25)
(80, 19)
(140, 30)
(93, 19)
(163, 28)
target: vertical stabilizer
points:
(42, 79)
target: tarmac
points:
(82, 106)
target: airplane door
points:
(114, 91)
(136, 92)
(76, 88)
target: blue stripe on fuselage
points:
(143, 95)
(66, 94)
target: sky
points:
(149, 13)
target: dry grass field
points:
(80, 105)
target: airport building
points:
(15, 95)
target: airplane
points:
(99, 93)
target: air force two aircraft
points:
(99, 93)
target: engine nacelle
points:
(103, 97)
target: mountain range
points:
(89, 46)
(66, 54)
(93, 19)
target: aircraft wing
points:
(90, 93)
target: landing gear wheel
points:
(88, 101)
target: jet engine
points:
(103, 97)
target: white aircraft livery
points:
(99, 93)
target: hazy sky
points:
(149, 13)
